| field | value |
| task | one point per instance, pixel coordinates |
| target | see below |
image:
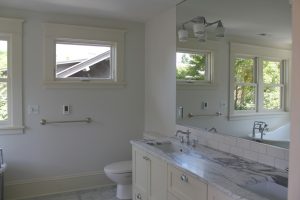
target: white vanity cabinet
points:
(184, 186)
(155, 179)
(215, 194)
(149, 176)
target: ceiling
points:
(133, 10)
(243, 18)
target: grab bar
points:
(190, 115)
(44, 121)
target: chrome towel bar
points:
(190, 115)
(44, 122)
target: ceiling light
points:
(220, 30)
(199, 29)
(199, 26)
(183, 35)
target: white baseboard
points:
(53, 185)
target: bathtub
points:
(279, 137)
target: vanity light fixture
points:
(200, 25)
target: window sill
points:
(84, 84)
(247, 116)
(195, 85)
(7, 130)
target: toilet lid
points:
(119, 167)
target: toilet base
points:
(124, 191)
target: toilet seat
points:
(119, 167)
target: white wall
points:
(44, 152)
(191, 98)
(160, 73)
(294, 172)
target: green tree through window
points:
(246, 86)
(191, 66)
(244, 93)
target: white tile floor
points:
(105, 193)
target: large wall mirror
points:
(233, 68)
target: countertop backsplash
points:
(266, 154)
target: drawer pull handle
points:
(184, 178)
(146, 158)
(139, 196)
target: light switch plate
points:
(66, 109)
(33, 109)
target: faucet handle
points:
(188, 132)
(181, 139)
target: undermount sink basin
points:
(269, 190)
(169, 147)
(172, 148)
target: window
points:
(259, 83)
(3, 81)
(273, 82)
(10, 76)
(83, 56)
(193, 67)
(83, 61)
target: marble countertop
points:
(229, 173)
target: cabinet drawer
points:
(215, 194)
(184, 186)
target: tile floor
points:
(105, 193)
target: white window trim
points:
(193, 46)
(11, 30)
(63, 32)
(246, 50)
(209, 69)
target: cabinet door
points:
(158, 179)
(215, 194)
(149, 176)
(140, 174)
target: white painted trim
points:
(84, 84)
(22, 189)
(54, 32)
(12, 30)
(254, 51)
(193, 45)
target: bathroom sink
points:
(172, 148)
(169, 147)
(269, 190)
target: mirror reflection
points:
(233, 68)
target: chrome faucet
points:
(186, 133)
(261, 127)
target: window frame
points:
(260, 54)
(208, 68)
(113, 58)
(282, 84)
(254, 84)
(11, 31)
(83, 34)
(209, 45)
(7, 38)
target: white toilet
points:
(121, 173)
